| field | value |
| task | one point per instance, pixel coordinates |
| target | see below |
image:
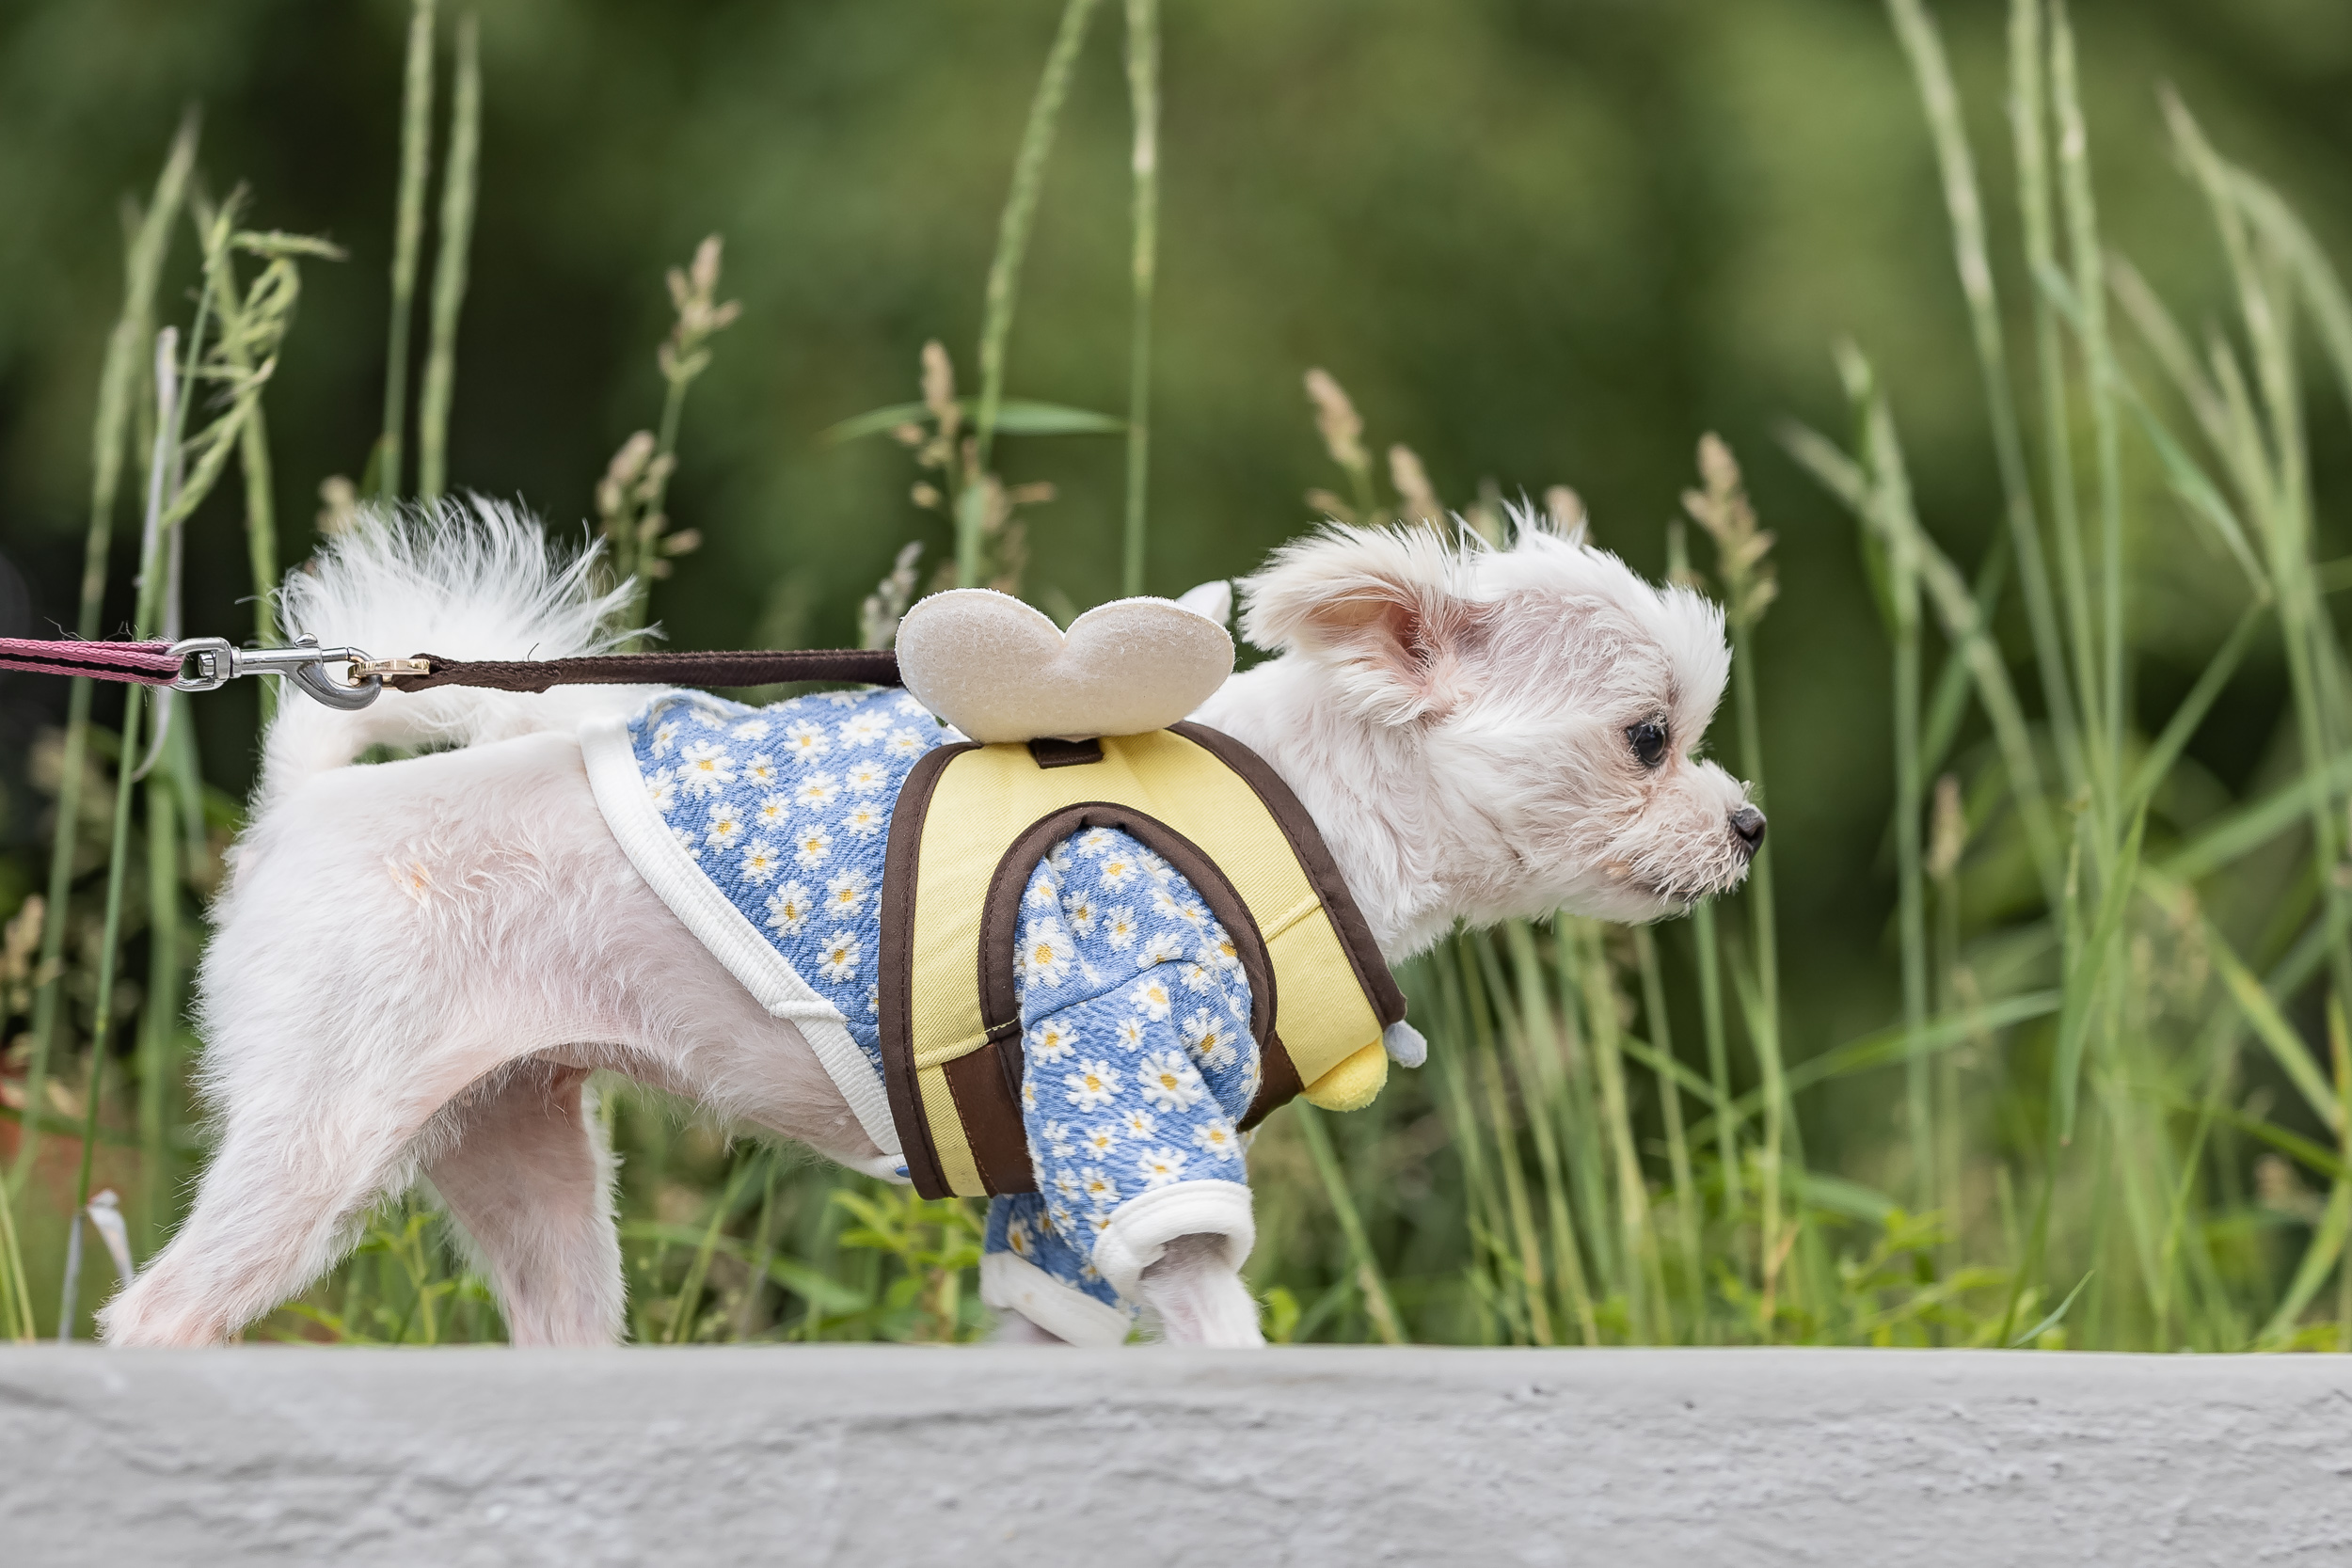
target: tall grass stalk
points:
(459, 173)
(1582, 1137)
(1877, 490)
(1707, 950)
(1485, 1222)
(2029, 122)
(1646, 1308)
(1901, 566)
(1518, 1248)
(261, 540)
(1721, 508)
(1963, 202)
(232, 345)
(118, 385)
(159, 1011)
(240, 340)
(16, 1291)
(1143, 91)
(168, 412)
(2265, 453)
(1378, 1308)
(1687, 1215)
(2103, 1033)
(1004, 277)
(416, 163)
(1543, 1051)
(2081, 208)
(1706, 954)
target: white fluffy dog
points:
(418, 964)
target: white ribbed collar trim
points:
(734, 941)
(1010, 1283)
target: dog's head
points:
(1556, 701)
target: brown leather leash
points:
(862, 666)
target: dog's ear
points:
(1384, 610)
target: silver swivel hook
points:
(209, 663)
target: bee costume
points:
(1069, 977)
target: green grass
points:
(2117, 1086)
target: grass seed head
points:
(625, 477)
(20, 944)
(1721, 507)
(1416, 498)
(1565, 509)
(1324, 503)
(1342, 428)
(693, 294)
(878, 617)
(939, 388)
(339, 506)
(1947, 833)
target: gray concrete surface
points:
(881, 1457)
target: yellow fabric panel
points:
(955, 1150)
(1352, 1084)
(1326, 1016)
(985, 798)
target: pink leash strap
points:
(144, 663)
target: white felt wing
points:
(999, 670)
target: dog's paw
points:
(1014, 1329)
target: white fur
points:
(469, 580)
(418, 963)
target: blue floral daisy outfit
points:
(764, 830)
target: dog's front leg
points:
(1014, 1329)
(1199, 1297)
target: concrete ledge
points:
(877, 1457)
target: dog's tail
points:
(466, 579)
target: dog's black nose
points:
(1747, 825)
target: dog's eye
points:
(1648, 740)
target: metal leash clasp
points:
(209, 663)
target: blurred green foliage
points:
(1549, 242)
(1541, 243)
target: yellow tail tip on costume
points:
(1353, 1084)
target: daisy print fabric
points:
(785, 808)
(1138, 1061)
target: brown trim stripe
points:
(864, 665)
(986, 1083)
(991, 1117)
(1000, 923)
(896, 997)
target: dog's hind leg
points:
(526, 1176)
(397, 936)
(295, 1172)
